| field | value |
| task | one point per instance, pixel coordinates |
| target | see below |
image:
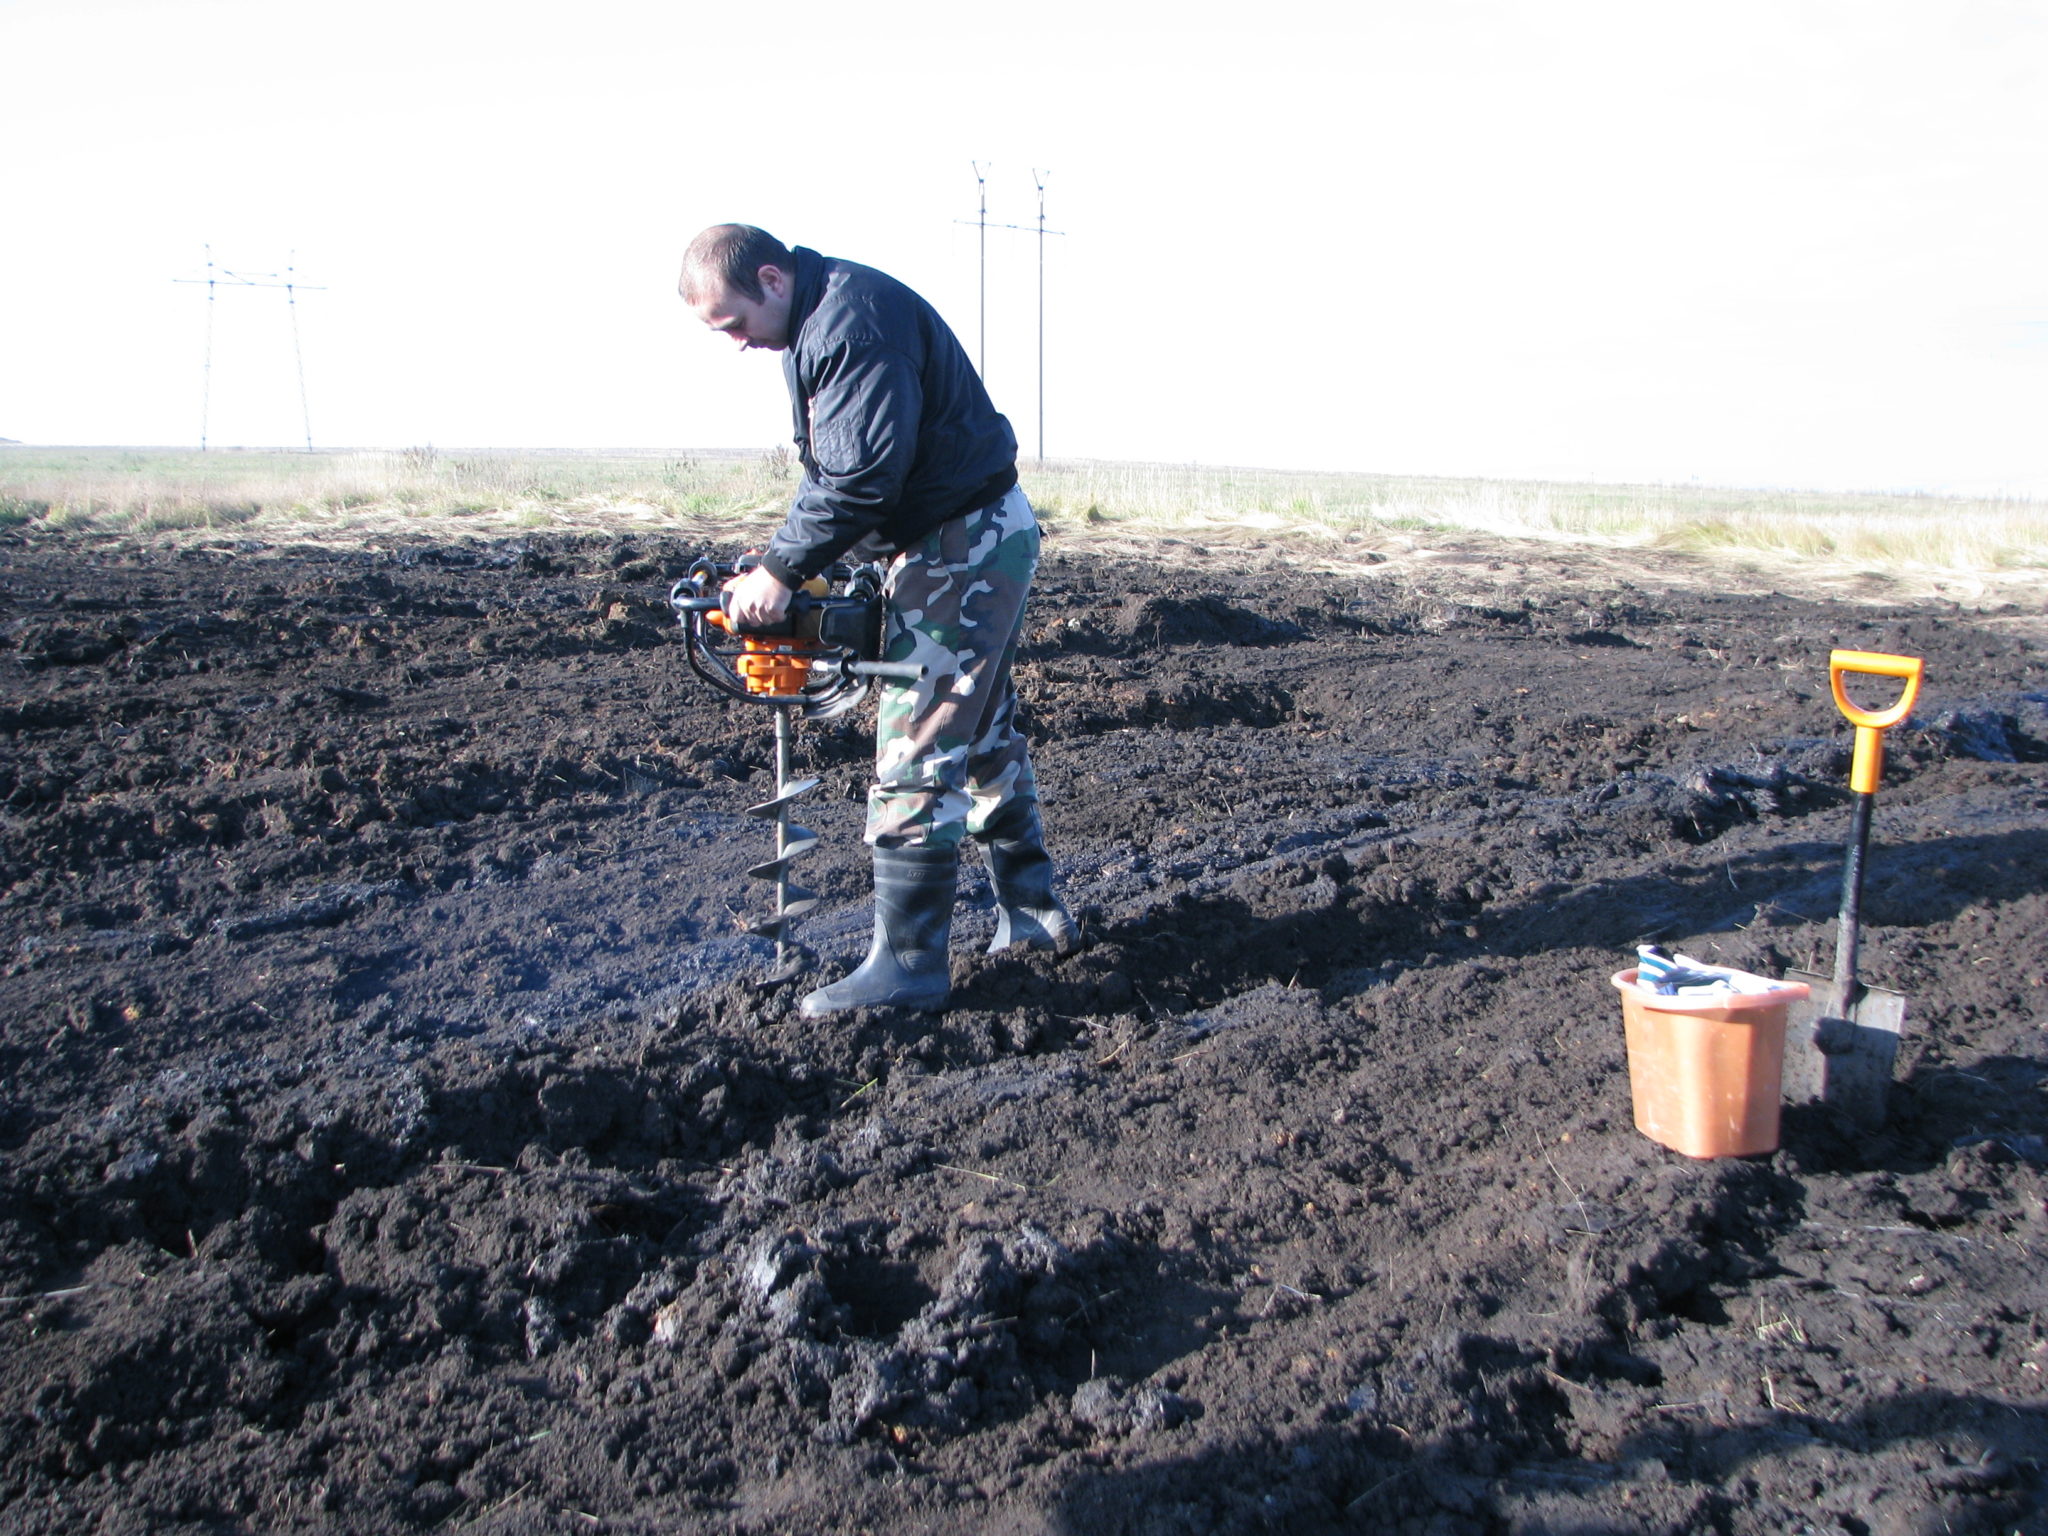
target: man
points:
(905, 460)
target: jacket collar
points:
(810, 288)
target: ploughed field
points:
(391, 1138)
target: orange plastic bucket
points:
(1706, 1073)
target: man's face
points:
(753, 323)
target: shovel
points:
(1840, 1042)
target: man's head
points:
(740, 280)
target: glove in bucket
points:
(1706, 1073)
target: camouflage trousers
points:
(948, 755)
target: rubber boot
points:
(1027, 911)
(906, 965)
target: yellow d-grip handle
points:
(1867, 766)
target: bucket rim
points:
(1786, 992)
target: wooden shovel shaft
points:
(1849, 925)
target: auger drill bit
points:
(818, 663)
(792, 842)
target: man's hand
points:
(756, 600)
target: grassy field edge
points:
(432, 492)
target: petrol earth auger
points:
(817, 663)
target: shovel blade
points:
(1844, 1063)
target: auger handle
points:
(713, 606)
(897, 671)
(1866, 768)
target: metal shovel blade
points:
(1844, 1063)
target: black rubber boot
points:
(906, 965)
(1027, 911)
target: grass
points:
(124, 491)
(1874, 530)
(174, 493)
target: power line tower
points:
(981, 223)
(218, 277)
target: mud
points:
(391, 1138)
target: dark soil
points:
(391, 1138)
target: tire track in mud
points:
(392, 1139)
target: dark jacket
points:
(895, 432)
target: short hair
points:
(734, 255)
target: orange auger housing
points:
(770, 664)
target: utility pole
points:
(291, 302)
(981, 223)
(1038, 178)
(218, 277)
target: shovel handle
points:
(1867, 766)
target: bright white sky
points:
(1788, 242)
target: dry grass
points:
(340, 495)
(1879, 532)
(369, 495)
